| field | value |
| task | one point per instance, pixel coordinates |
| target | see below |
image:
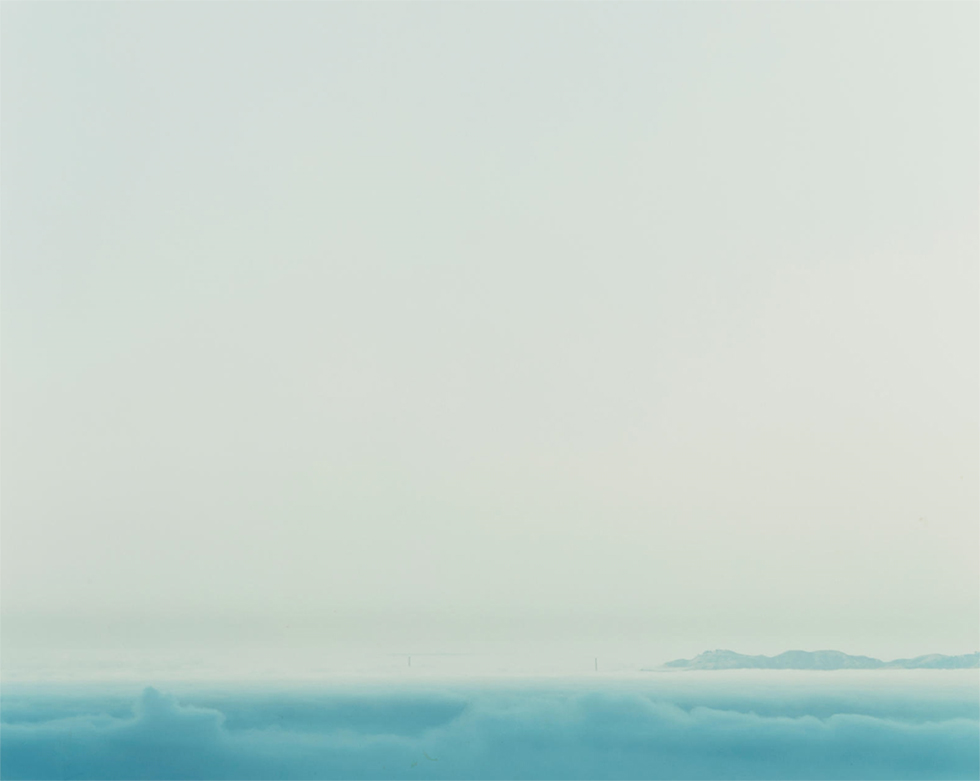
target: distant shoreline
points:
(819, 660)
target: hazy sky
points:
(658, 314)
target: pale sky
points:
(654, 316)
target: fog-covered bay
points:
(732, 724)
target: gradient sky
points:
(662, 315)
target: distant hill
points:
(819, 660)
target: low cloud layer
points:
(492, 732)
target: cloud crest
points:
(533, 733)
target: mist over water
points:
(388, 386)
(301, 648)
